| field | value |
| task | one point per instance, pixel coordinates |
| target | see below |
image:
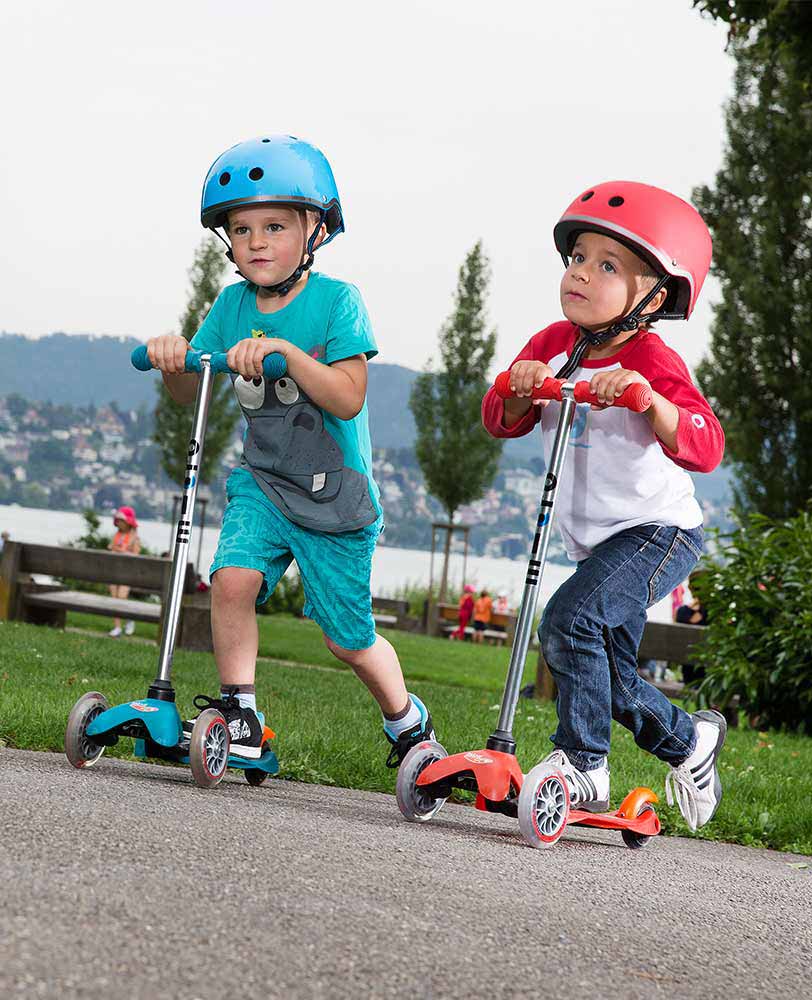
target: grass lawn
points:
(329, 728)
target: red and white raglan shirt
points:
(617, 472)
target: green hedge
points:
(758, 594)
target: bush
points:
(759, 603)
(288, 597)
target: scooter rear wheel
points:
(544, 806)
(209, 748)
(636, 840)
(80, 749)
(417, 805)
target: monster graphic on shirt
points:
(295, 460)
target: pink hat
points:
(126, 514)
(468, 589)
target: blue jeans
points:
(590, 634)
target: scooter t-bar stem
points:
(208, 365)
(635, 397)
(502, 737)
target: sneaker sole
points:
(708, 715)
(247, 753)
(592, 807)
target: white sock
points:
(397, 726)
(247, 700)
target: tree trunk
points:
(446, 555)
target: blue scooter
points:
(154, 722)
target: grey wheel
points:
(417, 805)
(81, 749)
(636, 840)
(208, 748)
(544, 806)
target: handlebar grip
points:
(273, 365)
(636, 397)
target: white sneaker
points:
(115, 632)
(694, 784)
(129, 628)
(589, 790)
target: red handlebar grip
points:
(635, 397)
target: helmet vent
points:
(587, 196)
(616, 201)
(225, 177)
(256, 173)
(266, 140)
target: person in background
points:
(125, 540)
(466, 609)
(501, 605)
(692, 613)
(677, 600)
(483, 607)
(4, 537)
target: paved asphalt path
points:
(127, 881)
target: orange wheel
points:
(632, 805)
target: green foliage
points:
(760, 215)
(759, 604)
(93, 538)
(172, 420)
(287, 598)
(458, 457)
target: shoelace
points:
(681, 789)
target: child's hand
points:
(168, 353)
(527, 375)
(607, 386)
(246, 356)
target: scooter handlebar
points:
(273, 365)
(635, 397)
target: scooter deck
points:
(497, 779)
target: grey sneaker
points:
(694, 785)
(589, 790)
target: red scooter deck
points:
(497, 779)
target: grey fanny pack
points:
(295, 460)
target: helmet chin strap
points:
(591, 338)
(308, 247)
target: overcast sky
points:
(446, 121)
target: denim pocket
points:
(680, 558)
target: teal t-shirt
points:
(316, 468)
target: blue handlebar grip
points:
(273, 365)
(140, 359)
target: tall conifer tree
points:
(458, 458)
(173, 422)
(760, 214)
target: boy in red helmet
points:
(626, 507)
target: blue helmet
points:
(276, 168)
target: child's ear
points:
(320, 235)
(657, 302)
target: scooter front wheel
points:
(544, 806)
(417, 805)
(80, 749)
(209, 748)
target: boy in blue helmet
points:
(304, 488)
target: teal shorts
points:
(335, 568)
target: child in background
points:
(483, 607)
(466, 609)
(625, 505)
(125, 540)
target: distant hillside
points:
(79, 369)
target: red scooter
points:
(540, 800)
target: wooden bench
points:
(389, 612)
(661, 641)
(22, 598)
(448, 620)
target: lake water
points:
(391, 568)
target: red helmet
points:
(663, 229)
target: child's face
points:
(267, 241)
(603, 283)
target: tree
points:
(458, 457)
(173, 421)
(760, 215)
